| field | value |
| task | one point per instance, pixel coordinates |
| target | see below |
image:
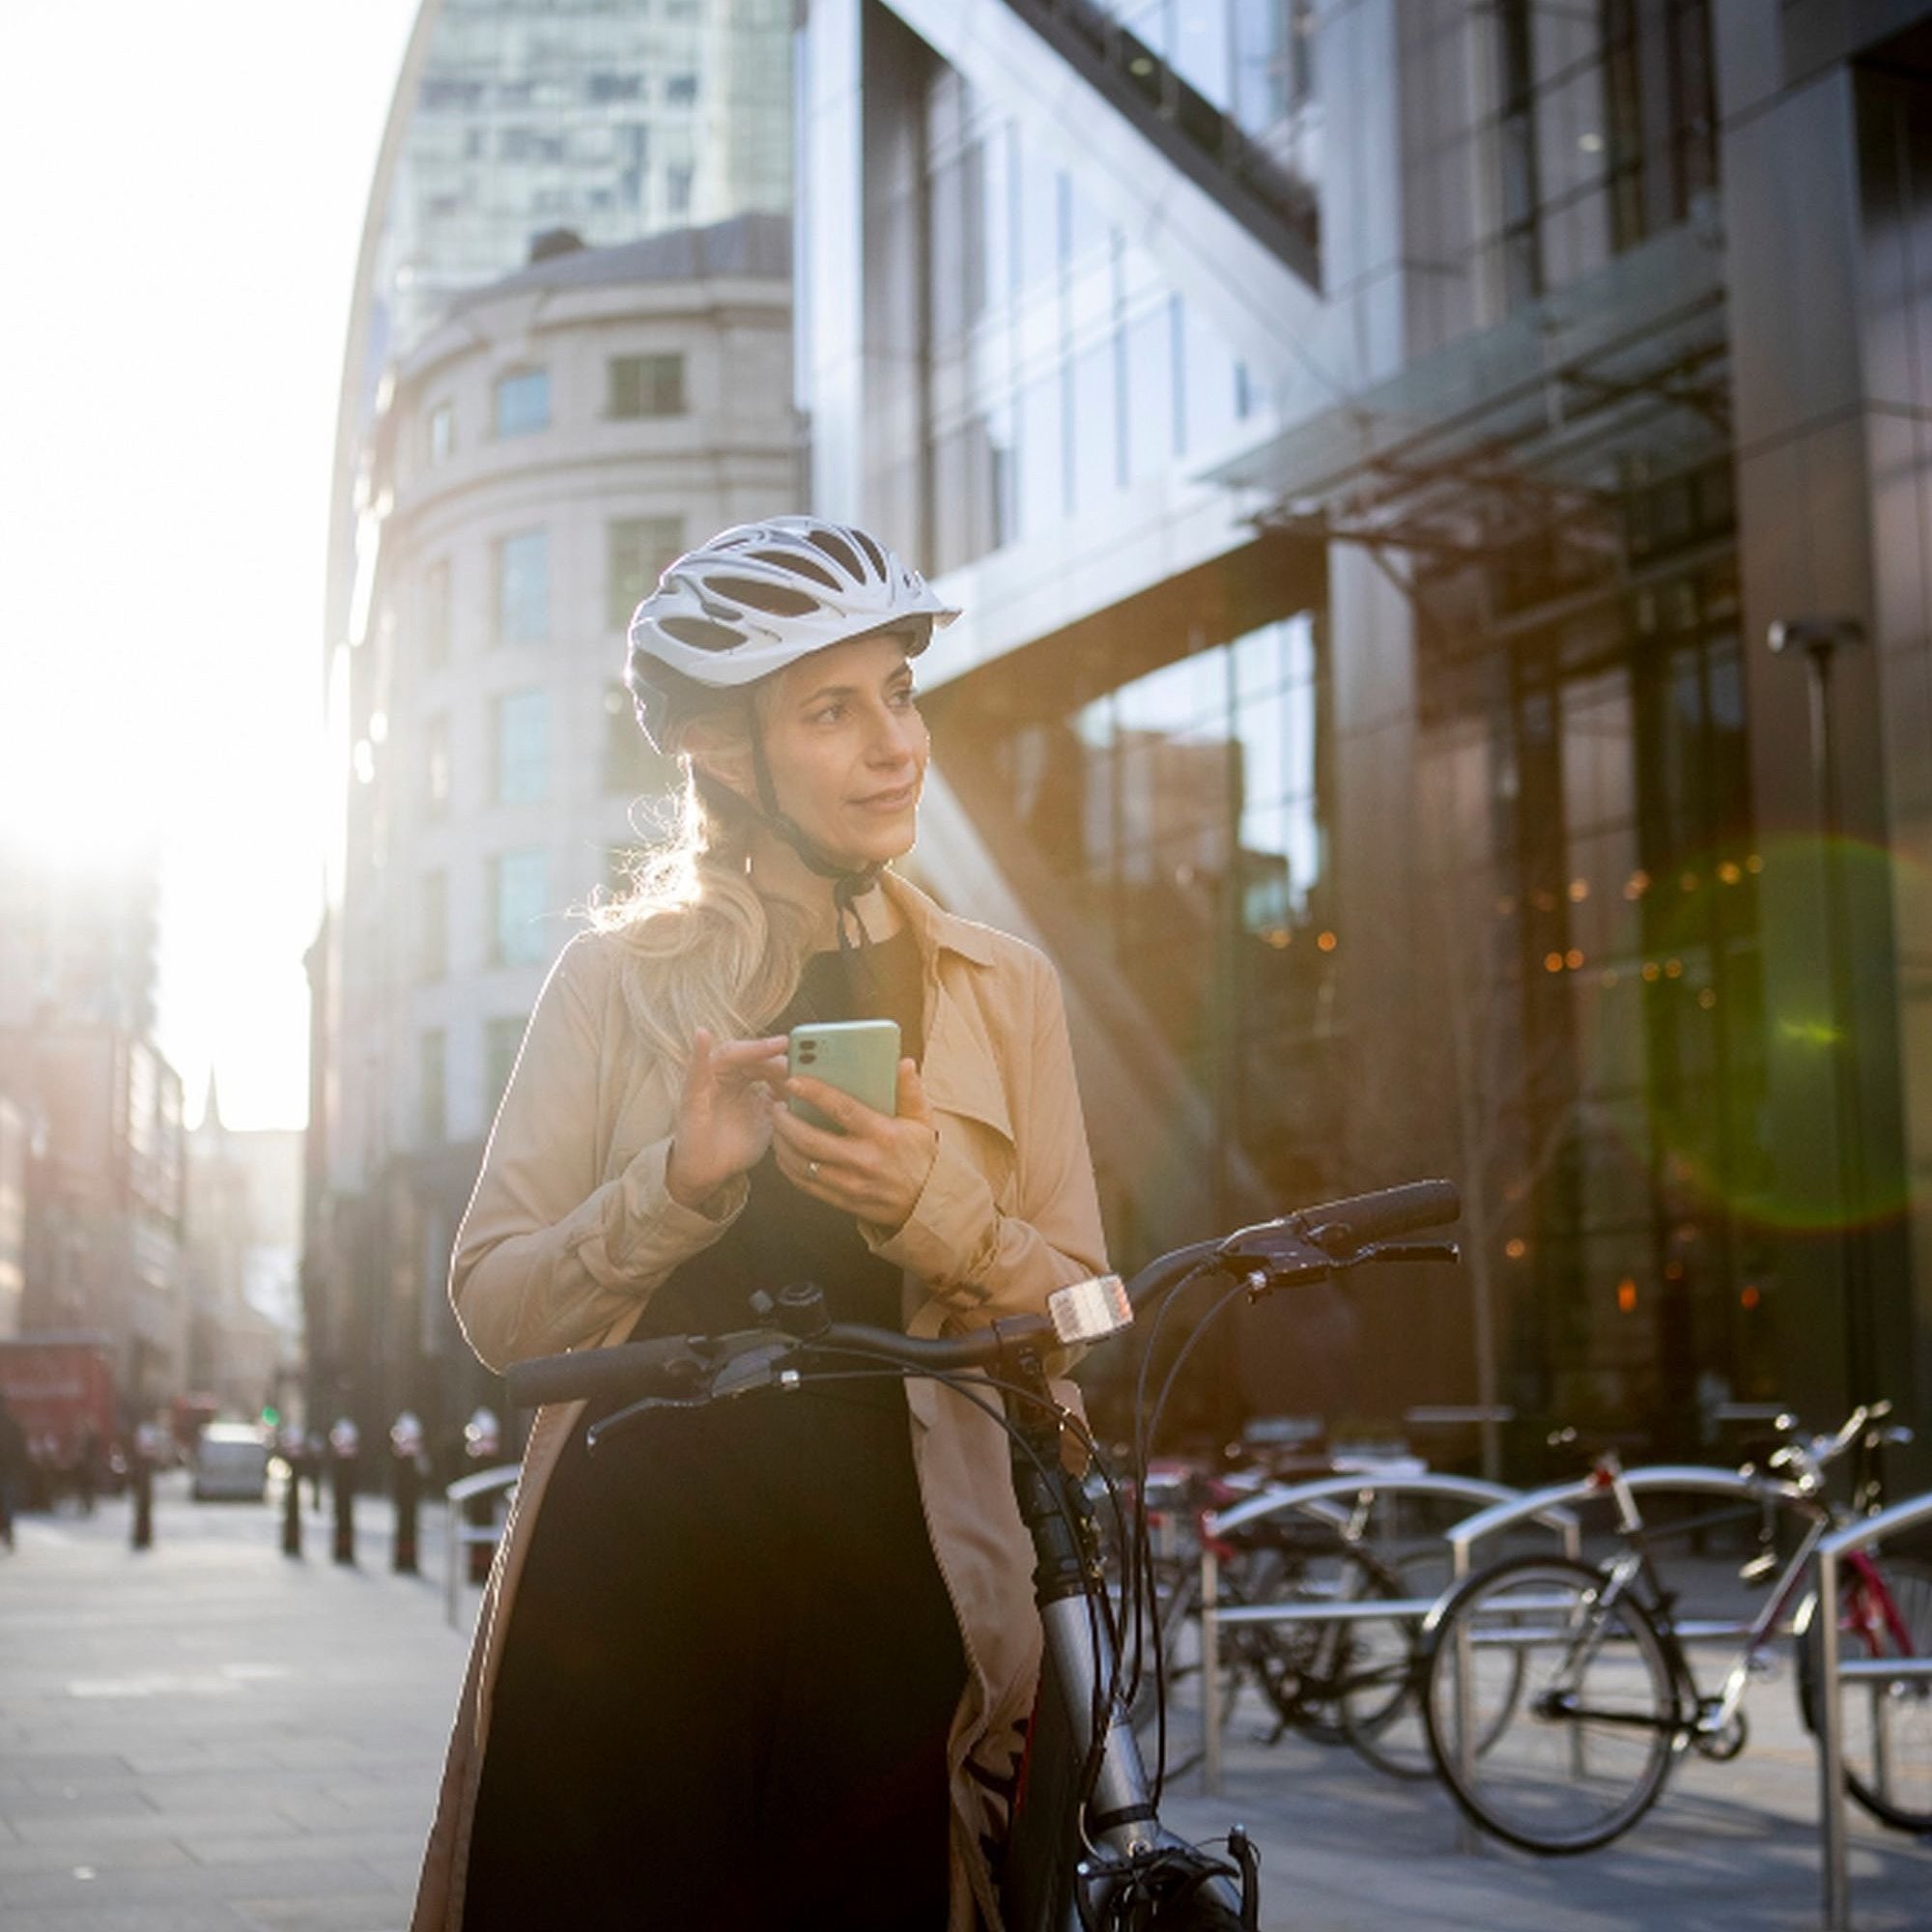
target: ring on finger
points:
(811, 1169)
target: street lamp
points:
(1820, 640)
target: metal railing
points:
(1318, 1497)
(1834, 1669)
(464, 1534)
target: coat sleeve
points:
(985, 1263)
(545, 1258)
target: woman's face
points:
(847, 748)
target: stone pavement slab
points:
(206, 1736)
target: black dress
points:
(732, 1664)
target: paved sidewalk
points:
(206, 1736)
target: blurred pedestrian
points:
(345, 1452)
(482, 1449)
(13, 1468)
(406, 1473)
(87, 1469)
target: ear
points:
(721, 756)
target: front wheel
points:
(1550, 1708)
(1884, 1611)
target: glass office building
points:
(1368, 446)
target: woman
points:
(763, 1665)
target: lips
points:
(891, 801)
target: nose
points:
(894, 739)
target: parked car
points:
(231, 1462)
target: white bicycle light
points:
(1090, 1310)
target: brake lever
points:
(1407, 1251)
(740, 1371)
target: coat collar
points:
(960, 1071)
(938, 929)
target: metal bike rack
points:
(1834, 1669)
(464, 1534)
(1319, 1497)
(1556, 1506)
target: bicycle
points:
(1348, 1680)
(1087, 1851)
(1558, 1695)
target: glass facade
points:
(613, 121)
(522, 588)
(523, 402)
(518, 888)
(432, 1105)
(433, 926)
(520, 730)
(637, 551)
(1183, 815)
(1619, 1086)
(1064, 369)
(646, 385)
(1605, 133)
(501, 1038)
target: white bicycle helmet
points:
(756, 598)
(760, 596)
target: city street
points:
(208, 1735)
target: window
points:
(681, 90)
(435, 766)
(443, 432)
(516, 895)
(647, 385)
(522, 588)
(433, 928)
(523, 402)
(436, 615)
(638, 548)
(677, 191)
(519, 762)
(502, 1039)
(432, 1117)
(631, 767)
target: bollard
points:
(405, 1443)
(147, 1447)
(482, 1446)
(343, 1443)
(292, 1507)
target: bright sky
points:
(183, 196)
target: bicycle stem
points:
(1067, 1586)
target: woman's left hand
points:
(876, 1167)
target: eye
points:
(905, 693)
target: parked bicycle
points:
(1347, 1678)
(1087, 1851)
(1558, 1695)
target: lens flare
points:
(1724, 1078)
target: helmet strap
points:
(848, 882)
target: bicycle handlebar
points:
(1339, 1226)
(1298, 1246)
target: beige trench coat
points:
(571, 1228)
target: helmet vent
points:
(840, 555)
(701, 634)
(799, 566)
(775, 597)
(871, 549)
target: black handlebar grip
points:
(1391, 1211)
(629, 1369)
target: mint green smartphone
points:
(858, 1057)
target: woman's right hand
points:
(724, 1114)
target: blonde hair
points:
(702, 946)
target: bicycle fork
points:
(1131, 1853)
